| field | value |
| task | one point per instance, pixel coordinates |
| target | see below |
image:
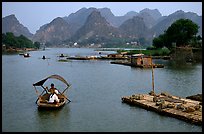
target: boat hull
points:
(50, 105)
(43, 102)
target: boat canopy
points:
(55, 76)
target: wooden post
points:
(152, 77)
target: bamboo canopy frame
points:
(55, 76)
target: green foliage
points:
(165, 51)
(196, 42)
(18, 42)
(181, 33)
(150, 48)
(23, 42)
(9, 39)
(37, 44)
(161, 41)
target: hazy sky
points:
(35, 14)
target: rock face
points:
(134, 28)
(77, 19)
(55, 32)
(154, 13)
(95, 28)
(100, 24)
(11, 24)
(166, 21)
(128, 26)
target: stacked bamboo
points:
(177, 107)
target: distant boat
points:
(42, 100)
(43, 57)
(26, 55)
(62, 55)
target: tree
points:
(37, 44)
(196, 42)
(24, 42)
(17, 42)
(9, 39)
(181, 32)
(160, 42)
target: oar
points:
(65, 96)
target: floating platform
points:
(134, 65)
(116, 58)
(161, 57)
(177, 107)
(96, 58)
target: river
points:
(95, 93)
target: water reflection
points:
(180, 65)
(52, 120)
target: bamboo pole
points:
(152, 77)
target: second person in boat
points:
(53, 96)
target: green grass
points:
(156, 52)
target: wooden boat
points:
(26, 55)
(42, 100)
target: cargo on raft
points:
(166, 104)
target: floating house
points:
(141, 59)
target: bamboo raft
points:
(177, 107)
(96, 58)
(134, 65)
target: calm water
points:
(96, 91)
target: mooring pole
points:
(152, 77)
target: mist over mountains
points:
(100, 26)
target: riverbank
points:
(17, 50)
